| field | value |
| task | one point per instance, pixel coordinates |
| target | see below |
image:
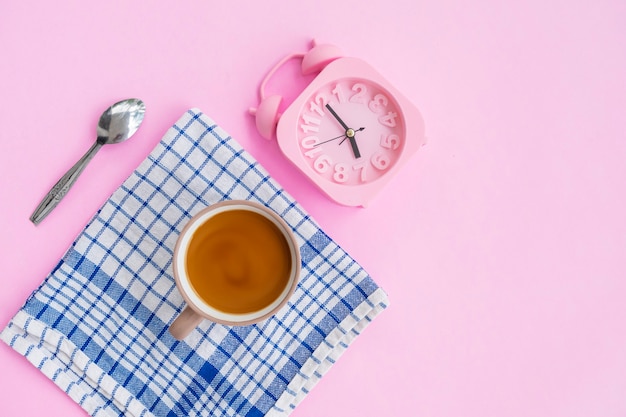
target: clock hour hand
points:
(349, 132)
(355, 148)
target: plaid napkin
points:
(98, 324)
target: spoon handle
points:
(62, 186)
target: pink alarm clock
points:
(349, 131)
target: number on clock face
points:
(374, 120)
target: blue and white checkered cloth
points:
(98, 324)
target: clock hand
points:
(355, 149)
(330, 140)
(349, 132)
(341, 122)
(352, 140)
(338, 137)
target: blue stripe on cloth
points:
(315, 245)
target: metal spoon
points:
(118, 123)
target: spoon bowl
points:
(117, 124)
(120, 121)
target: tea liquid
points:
(238, 262)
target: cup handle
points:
(186, 321)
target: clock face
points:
(350, 131)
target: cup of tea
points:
(235, 263)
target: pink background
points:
(502, 244)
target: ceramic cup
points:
(235, 263)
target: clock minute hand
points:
(349, 132)
(341, 122)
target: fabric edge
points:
(57, 358)
(327, 353)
